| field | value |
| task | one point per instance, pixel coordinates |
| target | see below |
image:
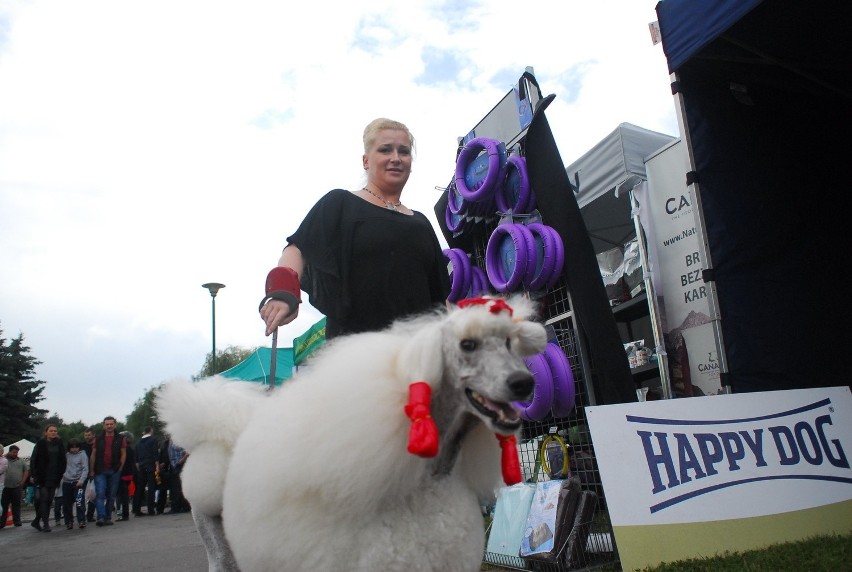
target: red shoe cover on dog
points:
(509, 459)
(423, 435)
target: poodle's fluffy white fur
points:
(316, 475)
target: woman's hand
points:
(276, 313)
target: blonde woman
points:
(364, 257)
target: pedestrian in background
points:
(3, 464)
(147, 451)
(128, 476)
(164, 473)
(17, 475)
(105, 466)
(88, 445)
(73, 484)
(48, 466)
(177, 457)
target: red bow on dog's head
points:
(497, 305)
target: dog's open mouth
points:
(502, 414)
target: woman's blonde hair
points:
(376, 125)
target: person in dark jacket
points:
(106, 463)
(164, 473)
(147, 453)
(47, 467)
(88, 445)
(128, 476)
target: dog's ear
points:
(528, 338)
(523, 308)
(421, 357)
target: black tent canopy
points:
(765, 98)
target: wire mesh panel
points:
(589, 544)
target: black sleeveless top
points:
(366, 266)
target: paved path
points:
(161, 543)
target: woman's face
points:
(388, 163)
(52, 432)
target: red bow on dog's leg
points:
(509, 459)
(423, 435)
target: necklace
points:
(388, 204)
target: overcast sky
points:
(149, 147)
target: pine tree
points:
(19, 392)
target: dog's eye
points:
(468, 345)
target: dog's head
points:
(473, 358)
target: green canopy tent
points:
(256, 366)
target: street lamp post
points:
(214, 288)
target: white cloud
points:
(146, 148)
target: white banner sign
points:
(667, 217)
(730, 472)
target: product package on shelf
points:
(637, 354)
(611, 265)
(550, 518)
(510, 519)
(575, 545)
(633, 279)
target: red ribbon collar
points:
(497, 305)
(423, 434)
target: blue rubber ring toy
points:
(461, 274)
(456, 223)
(508, 264)
(479, 282)
(542, 401)
(564, 392)
(559, 265)
(456, 202)
(505, 196)
(549, 256)
(471, 151)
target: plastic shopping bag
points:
(90, 492)
(510, 519)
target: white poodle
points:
(317, 476)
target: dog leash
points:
(273, 360)
(282, 283)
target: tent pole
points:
(653, 308)
(273, 360)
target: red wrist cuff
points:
(282, 283)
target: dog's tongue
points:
(505, 412)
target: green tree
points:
(144, 414)
(72, 431)
(144, 411)
(19, 392)
(225, 359)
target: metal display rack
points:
(510, 122)
(558, 315)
